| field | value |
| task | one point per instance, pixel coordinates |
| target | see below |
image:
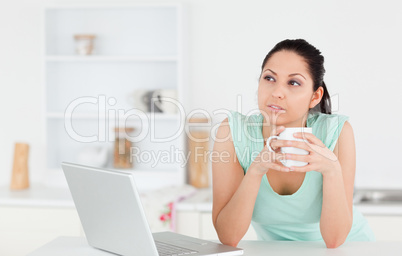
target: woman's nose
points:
(279, 92)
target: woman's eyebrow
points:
(295, 74)
(270, 70)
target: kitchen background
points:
(219, 57)
(224, 45)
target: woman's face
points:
(285, 90)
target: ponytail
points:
(325, 103)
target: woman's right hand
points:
(266, 159)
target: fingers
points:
(273, 160)
(270, 157)
(291, 143)
(306, 168)
(297, 157)
(277, 130)
(309, 137)
(279, 167)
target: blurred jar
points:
(198, 147)
(84, 44)
(122, 148)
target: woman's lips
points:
(276, 109)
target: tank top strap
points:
(327, 127)
(247, 137)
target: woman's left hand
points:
(319, 159)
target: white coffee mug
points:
(287, 134)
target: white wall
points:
(227, 41)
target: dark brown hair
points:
(315, 62)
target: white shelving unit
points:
(92, 58)
(136, 47)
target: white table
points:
(70, 246)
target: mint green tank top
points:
(293, 217)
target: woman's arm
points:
(338, 172)
(337, 203)
(234, 193)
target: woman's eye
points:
(269, 78)
(294, 83)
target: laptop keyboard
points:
(171, 250)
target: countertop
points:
(39, 195)
(202, 201)
(79, 246)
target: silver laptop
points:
(113, 218)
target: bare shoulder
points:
(346, 133)
(224, 130)
(347, 127)
(346, 140)
(223, 145)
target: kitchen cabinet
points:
(137, 48)
(386, 227)
(32, 217)
(194, 217)
(199, 224)
(25, 228)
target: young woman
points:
(309, 203)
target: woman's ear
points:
(317, 96)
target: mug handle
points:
(268, 142)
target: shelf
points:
(139, 49)
(52, 6)
(99, 58)
(135, 171)
(145, 172)
(129, 30)
(37, 195)
(145, 179)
